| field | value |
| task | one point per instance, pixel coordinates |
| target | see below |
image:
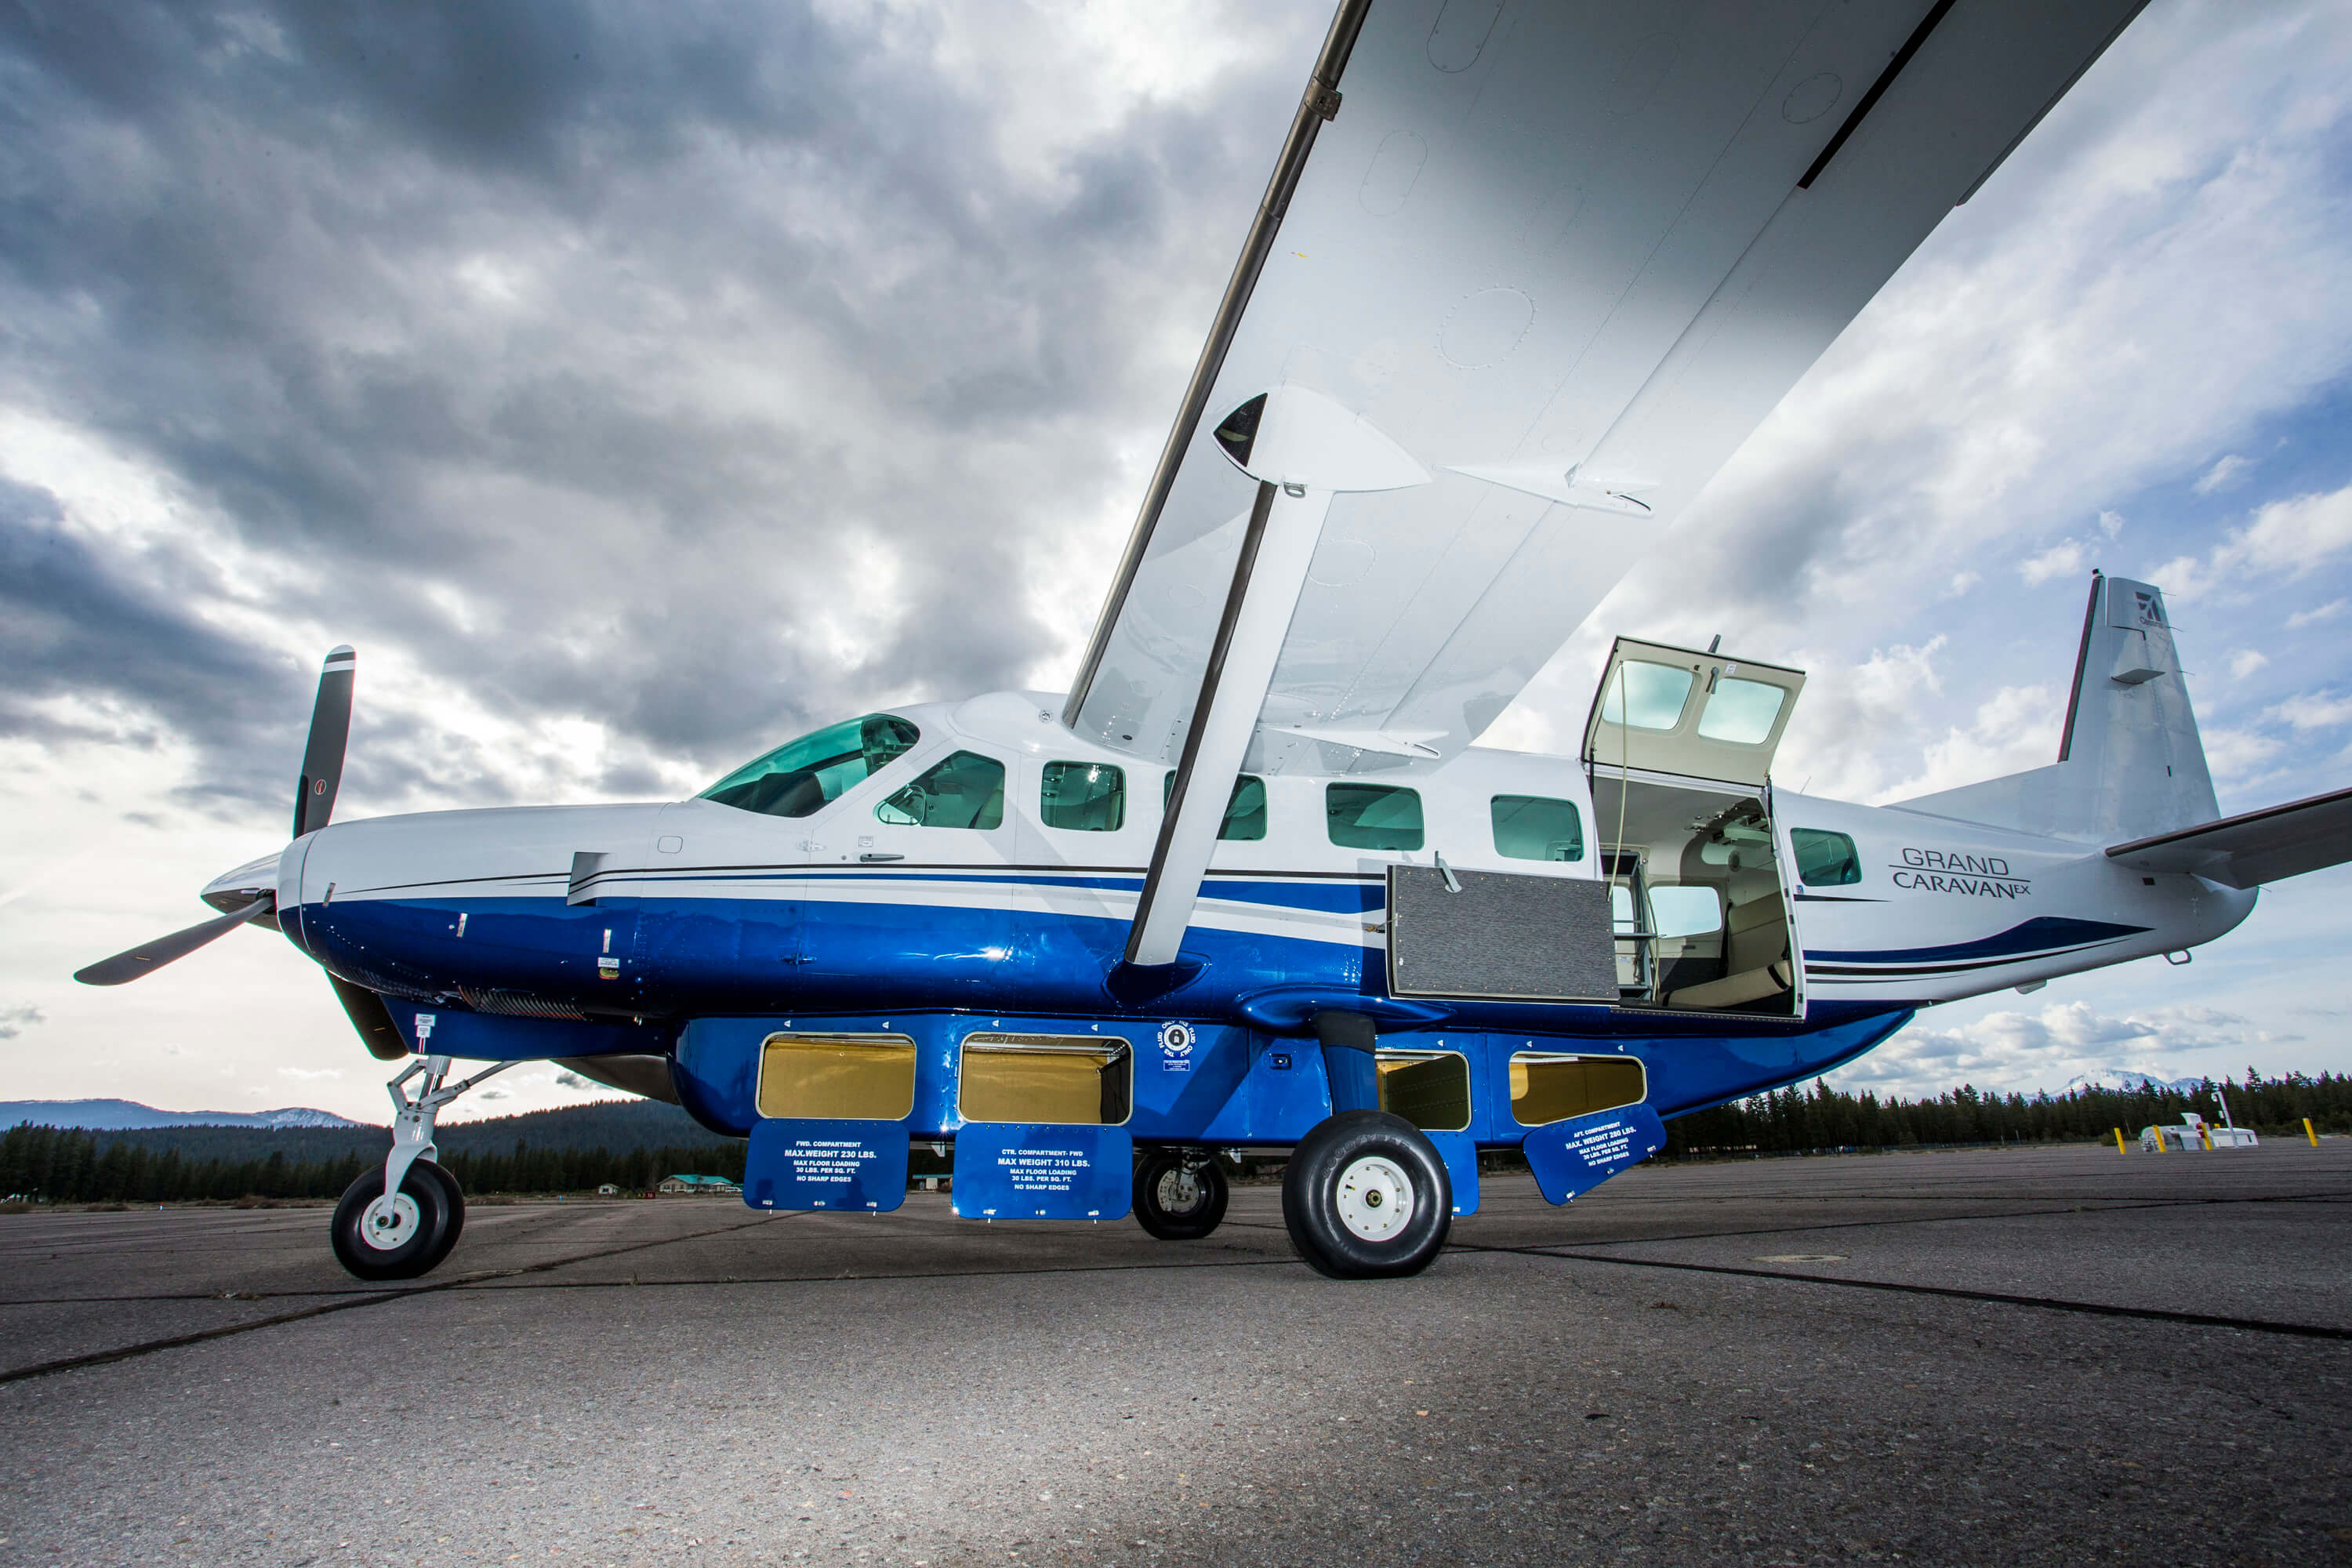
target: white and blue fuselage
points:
(695, 930)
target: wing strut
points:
(1303, 449)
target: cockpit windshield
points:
(799, 777)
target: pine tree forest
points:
(50, 1165)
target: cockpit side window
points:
(800, 778)
(965, 790)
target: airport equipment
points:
(2194, 1133)
(1524, 276)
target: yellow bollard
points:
(2119, 1140)
(2206, 1133)
(2307, 1133)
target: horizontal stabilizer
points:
(2258, 847)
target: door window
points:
(1692, 911)
(1741, 711)
(1824, 859)
(1536, 828)
(1083, 797)
(1652, 694)
(1372, 816)
(966, 790)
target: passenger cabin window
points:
(1083, 797)
(1652, 694)
(799, 777)
(1826, 859)
(1741, 711)
(966, 790)
(1244, 808)
(1537, 828)
(1693, 910)
(1372, 816)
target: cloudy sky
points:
(636, 386)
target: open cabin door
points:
(1663, 709)
(1679, 748)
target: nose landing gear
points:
(400, 1225)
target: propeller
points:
(150, 956)
(314, 800)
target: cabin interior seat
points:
(1755, 958)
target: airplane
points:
(1524, 276)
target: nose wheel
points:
(1366, 1197)
(1180, 1194)
(404, 1234)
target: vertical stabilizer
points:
(2130, 762)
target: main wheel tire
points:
(1366, 1197)
(1176, 1203)
(407, 1238)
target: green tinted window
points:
(800, 776)
(1741, 711)
(1372, 816)
(967, 790)
(1244, 808)
(1084, 797)
(1826, 859)
(1536, 828)
(1651, 693)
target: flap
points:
(1666, 710)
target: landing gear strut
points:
(1180, 1194)
(403, 1223)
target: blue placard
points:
(1580, 1153)
(1026, 1170)
(804, 1162)
(1461, 1157)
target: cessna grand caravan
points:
(1526, 275)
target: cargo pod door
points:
(1662, 709)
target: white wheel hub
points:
(389, 1224)
(1180, 1190)
(1375, 1198)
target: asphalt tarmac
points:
(2040, 1356)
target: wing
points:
(1567, 256)
(2256, 847)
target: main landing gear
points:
(402, 1223)
(1366, 1197)
(1180, 1194)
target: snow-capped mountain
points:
(124, 1115)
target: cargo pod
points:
(1679, 747)
(831, 1132)
(1044, 1133)
(1432, 1091)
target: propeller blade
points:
(372, 1018)
(322, 757)
(148, 957)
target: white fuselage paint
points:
(1927, 882)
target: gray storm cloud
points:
(594, 358)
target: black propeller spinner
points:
(314, 800)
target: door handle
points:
(870, 860)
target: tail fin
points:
(2130, 763)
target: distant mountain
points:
(2130, 1082)
(125, 1115)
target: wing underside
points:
(1568, 256)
